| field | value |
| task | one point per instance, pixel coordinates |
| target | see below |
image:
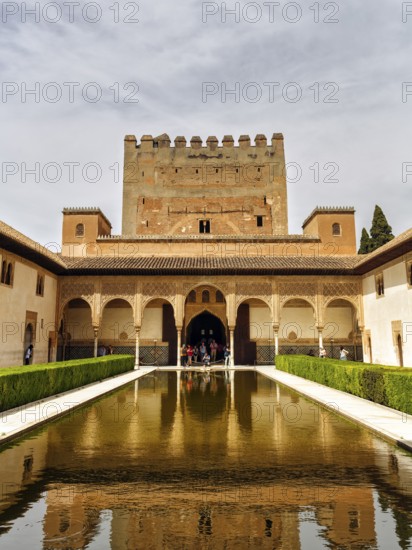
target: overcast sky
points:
(337, 98)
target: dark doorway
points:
(205, 325)
(169, 332)
(245, 349)
(400, 350)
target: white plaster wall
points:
(15, 301)
(299, 320)
(152, 324)
(379, 312)
(338, 322)
(79, 323)
(115, 321)
(260, 323)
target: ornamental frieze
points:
(262, 291)
(71, 290)
(111, 291)
(159, 290)
(350, 290)
(297, 289)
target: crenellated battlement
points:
(148, 142)
(192, 185)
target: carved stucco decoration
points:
(263, 291)
(71, 290)
(349, 290)
(166, 291)
(305, 291)
(112, 291)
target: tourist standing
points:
(189, 355)
(226, 355)
(28, 355)
(213, 350)
(202, 350)
(183, 355)
(322, 353)
(343, 354)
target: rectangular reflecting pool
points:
(207, 461)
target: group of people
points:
(343, 353)
(204, 353)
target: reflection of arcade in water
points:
(219, 459)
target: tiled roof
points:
(212, 265)
(329, 210)
(14, 241)
(85, 210)
(211, 237)
(402, 244)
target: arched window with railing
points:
(80, 230)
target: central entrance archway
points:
(205, 326)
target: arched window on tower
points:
(336, 229)
(80, 230)
(205, 297)
(219, 296)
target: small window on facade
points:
(409, 273)
(40, 285)
(176, 170)
(336, 229)
(197, 171)
(380, 288)
(9, 274)
(192, 297)
(204, 226)
(143, 200)
(264, 199)
(219, 296)
(258, 169)
(217, 170)
(205, 297)
(259, 221)
(3, 271)
(143, 174)
(80, 230)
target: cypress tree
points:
(381, 231)
(365, 242)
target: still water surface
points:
(208, 462)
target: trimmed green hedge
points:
(390, 386)
(22, 385)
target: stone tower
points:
(196, 189)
